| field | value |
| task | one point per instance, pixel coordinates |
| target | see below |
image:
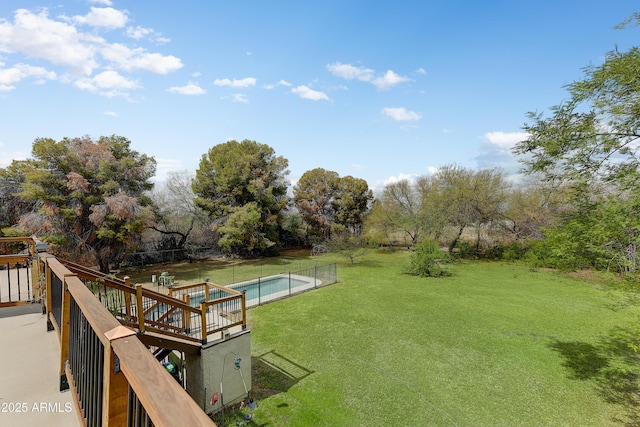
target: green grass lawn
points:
(494, 345)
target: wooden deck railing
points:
(180, 314)
(114, 378)
(104, 324)
(18, 279)
(221, 308)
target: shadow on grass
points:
(273, 373)
(613, 364)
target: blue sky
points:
(377, 90)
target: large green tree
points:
(329, 203)
(590, 145)
(399, 210)
(88, 195)
(351, 203)
(313, 196)
(471, 198)
(243, 186)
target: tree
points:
(12, 207)
(471, 198)
(89, 196)
(348, 246)
(242, 186)
(592, 137)
(351, 202)
(401, 208)
(408, 208)
(532, 206)
(330, 203)
(590, 145)
(313, 196)
(177, 217)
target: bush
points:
(428, 261)
(467, 251)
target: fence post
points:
(244, 309)
(18, 277)
(127, 298)
(289, 283)
(47, 274)
(315, 276)
(203, 321)
(9, 280)
(259, 291)
(186, 315)
(139, 308)
(35, 277)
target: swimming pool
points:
(263, 289)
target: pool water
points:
(269, 286)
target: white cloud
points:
(350, 72)
(421, 71)
(111, 79)
(6, 157)
(139, 33)
(103, 17)
(189, 89)
(62, 42)
(108, 83)
(246, 82)
(505, 140)
(400, 114)
(37, 36)
(138, 58)
(239, 97)
(432, 170)
(308, 93)
(103, 2)
(156, 63)
(164, 166)
(15, 74)
(495, 150)
(379, 185)
(280, 83)
(389, 79)
(111, 114)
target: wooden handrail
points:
(8, 259)
(165, 402)
(92, 275)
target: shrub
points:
(428, 261)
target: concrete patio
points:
(29, 372)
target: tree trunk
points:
(454, 242)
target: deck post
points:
(115, 385)
(139, 308)
(203, 321)
(47, 276)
